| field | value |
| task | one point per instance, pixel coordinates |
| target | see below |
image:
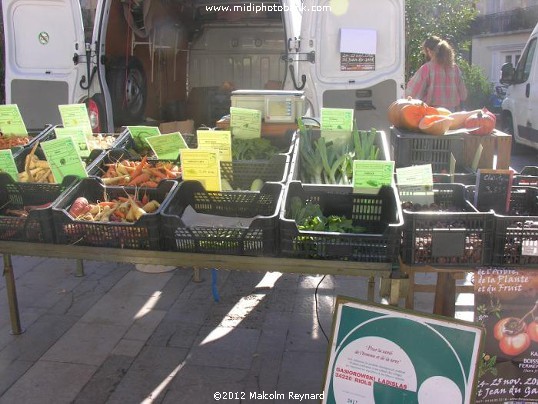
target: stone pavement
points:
(117, 335)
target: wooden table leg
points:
(371, 288)
(12, 296)
(445, 295)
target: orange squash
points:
(435, 124)
(395, 109)
(411, 115)
(460, 117)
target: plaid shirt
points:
(437, 86)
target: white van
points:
(132, 61)
(519, 114)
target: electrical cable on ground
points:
(317, 312)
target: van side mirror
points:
(507, 73)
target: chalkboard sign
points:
(493, 190)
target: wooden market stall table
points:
(180, 259)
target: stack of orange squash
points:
(415, 115)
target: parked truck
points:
(519, 109)
(134, 61)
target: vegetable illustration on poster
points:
(383, 354)
(506, 304)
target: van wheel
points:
(128, 90)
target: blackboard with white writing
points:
(493, 190)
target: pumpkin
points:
(411, 115)
(435, 124)
(443, 111)
(460, 117)
(481, 123)
(395, 109)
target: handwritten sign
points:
(245, 123)
(76, 115)
(7, 164)
(336, 119)
(415, 184)
(370, 175)
(167, 147)
(79, 137)
(203, 166)
(376, 356)
(505, 305)
(63, 158)
(11, 123)
(220, 140)
(141, 133)
(493, 188)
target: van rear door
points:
(353, 56)
(44, 57)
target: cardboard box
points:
(498, 143)
(183, 127)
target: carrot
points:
(156, 173)
(150, 184)
(107, 203)
(139, 179)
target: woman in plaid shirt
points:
(438, 82)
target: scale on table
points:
(276, 106)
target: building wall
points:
(497, 6)
(491, 52)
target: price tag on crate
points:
(415, 184)
(63, 158)
(11, 123)
(141, 133)
(76, 115)
(220, 140)
(336, 119)
(529, 247)
(79, 137)
(370, 175)
(7, 164)
(493, 189)
(245, 123)
(203, 166)
(167, 147)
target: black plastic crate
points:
(516, 234)
(380, 214)
(449, 233)
(258, 236)
(112, 156)
(241, 173)
(296, 168)
(412, 148)
(35, 137)
(143, 234)
(34, 198)
(457, 178)
(96, 152)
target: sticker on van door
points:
(43, 38)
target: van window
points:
(523, 69)
(88, 8)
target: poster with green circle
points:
(384, 355)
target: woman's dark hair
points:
(442, 51)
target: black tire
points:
(128, 91)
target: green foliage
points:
(478, 85)
(450, 20)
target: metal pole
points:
(80, 268)
(12, 296)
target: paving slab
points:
(49, 383)
(86, 343)
(127, 336)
